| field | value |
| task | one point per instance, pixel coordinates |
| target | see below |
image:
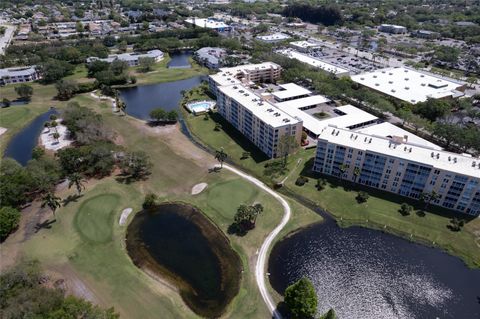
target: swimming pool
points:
(200, 106)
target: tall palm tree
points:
(257, 210)
(52, 201)
(77, 180)
(356, 173)
(221, 156)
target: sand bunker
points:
(197, 189)
(123, 218)
(50, 143)
(2, 130)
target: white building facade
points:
(19, 75)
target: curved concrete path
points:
(262, 254)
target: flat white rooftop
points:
(263, 110)
(290, 90)
(387, 130)
(305, 44)
(250, 67)
(273, 37)
(457, 163)
(408, 84)
(292, 54)
(208, 23)
(352, 116)
(304, 102)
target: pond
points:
(22, 144)
(176, 242)
(368, 274)
(180, 60)
(141, 100)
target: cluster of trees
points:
(159, 115)
(246, 217)
(109, 74)
(24, 296)
(324, 14)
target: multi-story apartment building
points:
(397, 165)
(257, 119)
(19, 75)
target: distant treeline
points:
(326, 15)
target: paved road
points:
(7, 37)
(262, 254)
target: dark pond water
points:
(15, 103)
(22, 144)
(141, 100)
(180, 59)
(177, 242)
(368, 274)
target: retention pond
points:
(177, 242)
(364, 273)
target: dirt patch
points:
(197, 189)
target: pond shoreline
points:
(228, 261)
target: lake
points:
(141, 100)
(364, 273)
(22, 144)
(177, 242)
(180, 60)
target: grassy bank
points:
(380, 212)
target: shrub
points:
(405, 209)
(9, 219)
(301, 299)
(150, 201)
(301, 180)
(362, 197)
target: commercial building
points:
(410, 85)
(392, 28)
(290, 91)
(257, 119)
(272, 38)
(399, 165)
(209, 23)
(19, 75)
(315, 62)
(210, 57)
(132, 59)
(425, 34)
(305, 46)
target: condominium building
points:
(132, 59)
(19, 75)
(399, 165)
(257, 119)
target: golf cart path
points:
(262, 254)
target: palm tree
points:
(343, 168)
(52, 201)
(321, 183)
(54, 124)
(356, 173)
(56, 136)
(221, 156)
(427, 198)
(77, 180)
(257, 210)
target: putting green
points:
(226, 196)
(95, 217)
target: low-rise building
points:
(132, 59)
(19, 75)
(272, 38)
(209, 23)
(212, 58)
(410, 85)
(392, 28)
(425, 34)
(396, 164)
(305, 46)
(315, 62)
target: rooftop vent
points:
(422, 76)
(433, 155)
(407, 88)
(390, 73)
(377, 84)
(474, 164)
(423, 84)
(374, 76)
(438, 155)
(390, 82)
(455, 160)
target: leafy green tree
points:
(321, 183)
(406, 209)
(286, 145)
(53, 70)
(43, 174)
(432, 109)
(221, 156)
(145, 64)
(428, 197)
(362, 197)
(136, 164)
(14, 183)
(51, 201)
(158, 114)
(301, 299)
(246, 217)
(150, 201)
(456, 224)
(172, 116)
(9, 219)
(447, 53)
(24, 91)
(118, 67)
(37, 152)
(109, 41)
(77, 180)
(97, 66)
(66, 89)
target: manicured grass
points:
(95, 218)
